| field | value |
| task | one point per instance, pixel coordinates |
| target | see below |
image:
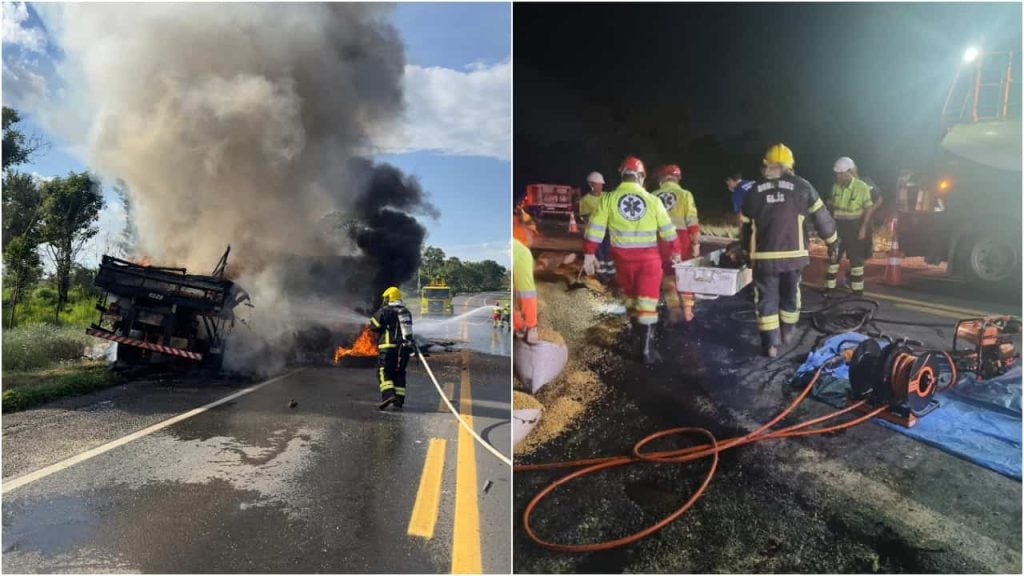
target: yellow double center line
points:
(466, 535)
(465, 551)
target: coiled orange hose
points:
(711, 449)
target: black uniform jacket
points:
(773, 218)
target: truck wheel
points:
(989, 258)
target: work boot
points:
(397, 406)
(770, 343)
(386, 402)
(651, 355)
(786, 331)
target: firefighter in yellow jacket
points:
(682, 210)
(635, 221)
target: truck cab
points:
(436, 299)
(970, 216)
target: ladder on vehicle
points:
(984, 89)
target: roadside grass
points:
(42, 346)
(43, 363)
(24, 389)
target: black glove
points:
(834, 251)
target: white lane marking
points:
(8, 485)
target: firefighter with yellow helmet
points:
(773, 231)
(395, 343)
(635, 221)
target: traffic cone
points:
(894, 270)
(573, 228)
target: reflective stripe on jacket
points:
(633, 218)
(849, 203)
(679, 203)
(773, 222)
(387, 324)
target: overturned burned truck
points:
(161, 315)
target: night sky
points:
(710, 86)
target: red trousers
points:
(639, 279)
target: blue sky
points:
(464, 168)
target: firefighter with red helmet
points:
(635, 221)
(682, 210)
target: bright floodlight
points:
(970, 54)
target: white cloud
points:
(466, 113)
(499, 250)
(14, 32)
(23, 87)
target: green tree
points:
(71, 206)
(431, 264)
(22, 212)
(492, 275)
(17, 147)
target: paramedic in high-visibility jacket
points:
(682, 210)
(635, 221)
(773, 231)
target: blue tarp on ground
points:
(979, 421)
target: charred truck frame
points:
(165, 315)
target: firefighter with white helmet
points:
(393, 326)
(635, 221)
(590, 200)
(588, 204)
(773, 232)
(851, 206)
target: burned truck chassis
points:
(163, 315)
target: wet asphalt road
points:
(470, 324)
(864, 500)
(256, 486)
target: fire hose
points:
(711, 449)
(455, 413)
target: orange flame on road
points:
(365, 345)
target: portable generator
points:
(988, 346)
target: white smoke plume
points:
(243, 124)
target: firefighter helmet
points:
(670, 171)
(779, 154)
(595, 177)
(632, 166)
(391, 294)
